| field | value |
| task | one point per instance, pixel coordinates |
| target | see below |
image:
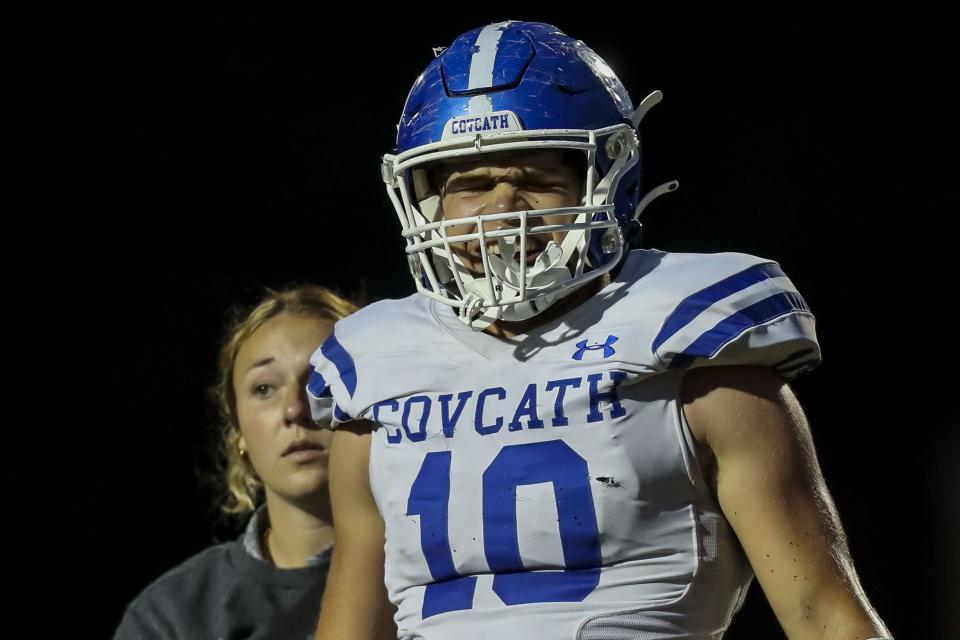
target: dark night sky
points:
(204, 150)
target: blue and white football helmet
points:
(518, 86)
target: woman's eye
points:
(262, 390)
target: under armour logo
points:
(608, 350)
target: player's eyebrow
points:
(525, 172)
(475, 172)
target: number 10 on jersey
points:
(522, 464)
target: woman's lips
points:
(304, 450)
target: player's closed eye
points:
(470, 185)
(541, 186)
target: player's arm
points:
(355, 603)
(771, 490)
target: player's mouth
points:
(534, 248)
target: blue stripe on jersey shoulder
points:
(334, 352)
(317, 386)
(340, 414)
(708, 344)
(694, 304)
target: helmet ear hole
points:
(633, 233)
(633, 193)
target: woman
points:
(273, 465)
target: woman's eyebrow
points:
(260, 363)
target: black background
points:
(174, 157)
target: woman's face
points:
(287, 450)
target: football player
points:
(561, 435)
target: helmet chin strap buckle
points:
(471, 307)
(547, 271)
(475, 315)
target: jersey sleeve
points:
(754, 316)
(332, 385)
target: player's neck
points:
(508, 330)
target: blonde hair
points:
(239, 490)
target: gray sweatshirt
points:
(229, 592)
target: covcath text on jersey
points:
(600, 389)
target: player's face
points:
(287, 450)
(508, 182)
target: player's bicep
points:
(353, 504)
(355, 604)
(357, 523)
(770, 488)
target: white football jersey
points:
(547, 486)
